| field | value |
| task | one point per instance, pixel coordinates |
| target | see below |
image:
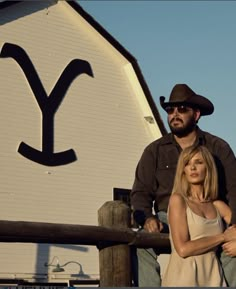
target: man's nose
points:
(175, 111)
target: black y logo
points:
(48, 104)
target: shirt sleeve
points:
(227, 177)
(142, 193)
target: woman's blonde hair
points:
(182, 186)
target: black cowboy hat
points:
(181, 94)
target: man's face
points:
(182, 119)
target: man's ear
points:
(197, 115)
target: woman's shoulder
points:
(176, 199)
(219, 204)
(224, 210)
(177, 206)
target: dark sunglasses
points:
(180, 109)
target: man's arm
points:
(142, 194)
(228, 161)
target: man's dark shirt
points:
(155, 172)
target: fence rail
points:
(113, 238)
(36, 232)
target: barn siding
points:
(101, 118)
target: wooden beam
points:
(37, 232)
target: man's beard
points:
(184, 130)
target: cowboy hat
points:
(181, 94)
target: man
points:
(156, 170)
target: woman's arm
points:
(230, 234)
(224, 210)
(180, 233)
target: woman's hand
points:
(230, 234)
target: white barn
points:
(75, 116)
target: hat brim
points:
(198, 101)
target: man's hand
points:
(153, 225)
(230, 248)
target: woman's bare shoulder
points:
(219, 204)
(177, 199)
(224, 210)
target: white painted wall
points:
(101, 118)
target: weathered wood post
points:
(114, 260)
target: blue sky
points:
(192, 42)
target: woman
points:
(195, 222)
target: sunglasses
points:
(180, 109)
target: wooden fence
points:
(113, 238)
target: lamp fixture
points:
(59, 268)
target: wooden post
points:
(114, 261)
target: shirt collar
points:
(169, 138)
(200, 140)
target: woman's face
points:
(195, 169)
